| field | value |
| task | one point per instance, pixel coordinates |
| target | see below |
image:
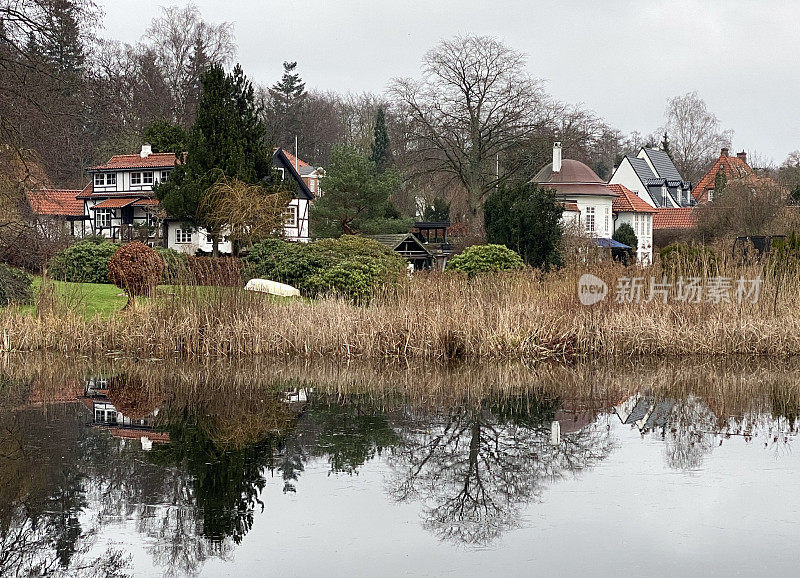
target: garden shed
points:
(408, 246)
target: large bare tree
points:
(695, 133)
(473, 102)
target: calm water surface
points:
(136, 468)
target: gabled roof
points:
(296, 162)
(115, 203)
(734, 168)
(679, 218)
(641, 168)
(280, 159)
(627, 201)
(56, 202)
(395, 240)
(135, 161)
(664, 166)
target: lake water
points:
(147, 468)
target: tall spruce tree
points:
(226, 139)
(288, 97)
(381, 153)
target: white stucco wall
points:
(603, 220)
(627, 177)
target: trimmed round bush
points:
(15, 287)
(349, 266)
(485, 259)
(136, 269)
(83, 262)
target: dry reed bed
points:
(434, 318)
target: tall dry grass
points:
(438, 317)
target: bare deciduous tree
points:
(473, 102)
(695, 133)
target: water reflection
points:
(185, 452)
(474, 468)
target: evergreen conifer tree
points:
(381, 153)
(288, 97)
(226, 139)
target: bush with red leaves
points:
(136, 269)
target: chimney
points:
(724, 151)
(147, 150)
(742, 155)
(556, 157)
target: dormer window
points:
(164, 176)
(103, 179)
(147, 177)
(136, 178)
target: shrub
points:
(176, 266)
(625, 235)
(84, 262)
(684, 259)
(136, 269)
(216, 271)
(15, 287)
(350, 266)
(484, 259)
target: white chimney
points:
(556, 157)
(147, 150)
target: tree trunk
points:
(215, 245)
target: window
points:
(312, 185)
(136, 178)
(147, 177)
(102, 217)
(183, 236)
(111, 179)
(608, 214)
(710, 195)
(290, 217)
(589, 223)
(649, 219)
(164, 176)
(636, 226)
(99, 179)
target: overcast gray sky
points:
(622, 59)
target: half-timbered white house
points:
(119, 202)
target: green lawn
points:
(92, 299)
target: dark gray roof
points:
(641, 167)
(657, 194)
(663, 164)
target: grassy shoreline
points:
(435, 317)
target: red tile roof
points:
(145, 203)
(86, 192)
(294, 160)
(571, 207)
(56, 202)
(627, 201)
(734, 167)
(680, 218)
(115, 203)
(135, 161)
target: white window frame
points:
(183, 236)
(290, 216)
(111, 178)
(312, 185)
(607, 221)
(147, 177)
(136, 178)
(103, 218)
(589, 224)
(164, 176)
(99, 180)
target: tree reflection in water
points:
(474, 469)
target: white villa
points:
(119, 202)
(595, 208)
(652, 175)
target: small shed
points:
(408, 246)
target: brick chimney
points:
(742, 155)
(724, 151)
(556, 157)
(147, 150)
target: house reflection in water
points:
(645, 412)
(106, 416)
